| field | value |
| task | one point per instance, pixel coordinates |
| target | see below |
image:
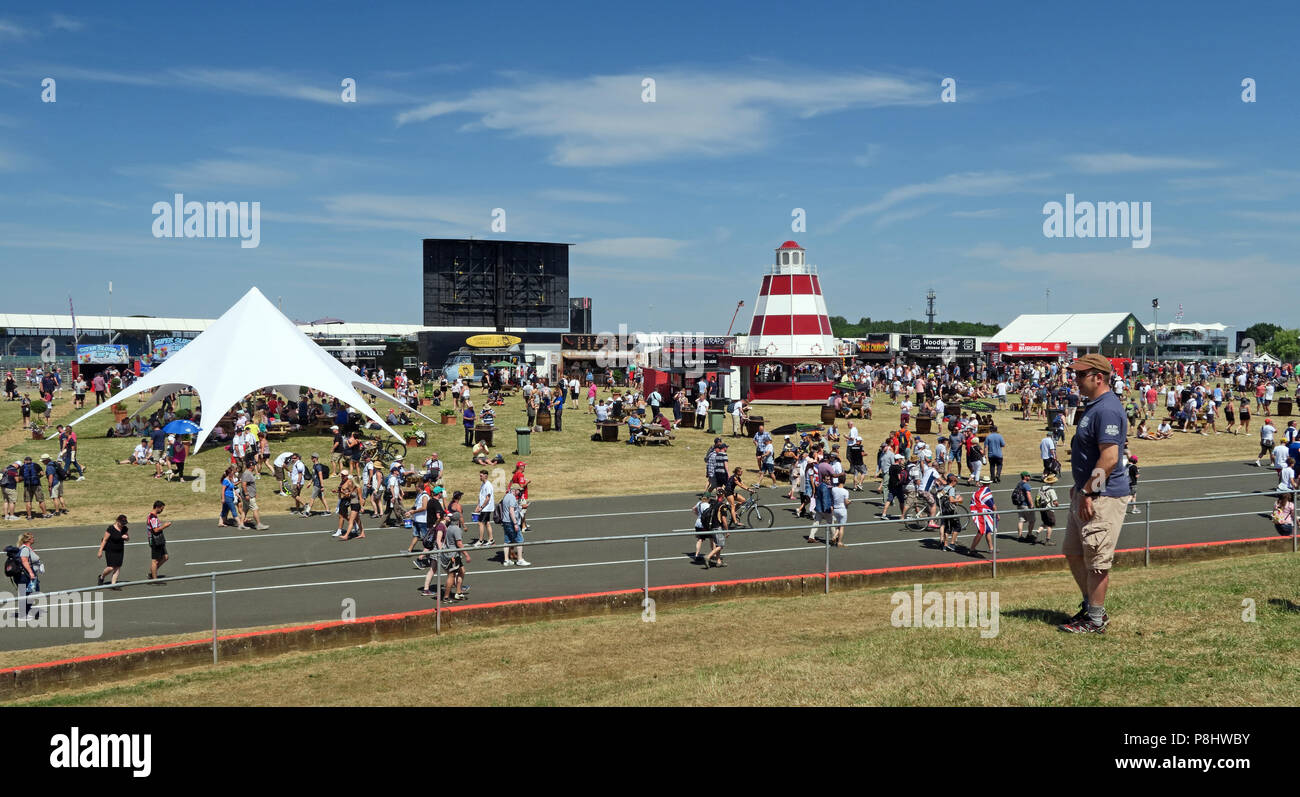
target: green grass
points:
(1177, 638)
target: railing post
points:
(1148, 525)
(826, 590)
(1295, 532)
(994, 538)
(645, 570)
(437, 592)
(214, 618)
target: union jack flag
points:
(980, 505)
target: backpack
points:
(59, 472)
(10, 477)
(31, 474)
(1020, 495)
(14, 566)
(708, 518)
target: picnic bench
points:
(277, 430)
(656, 434)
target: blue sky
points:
(675, 206)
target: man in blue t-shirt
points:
(1100, 495)
(993, 445)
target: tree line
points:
(841, 328)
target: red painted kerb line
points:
(556, 598)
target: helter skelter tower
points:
(790, 341)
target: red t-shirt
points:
(518, 478)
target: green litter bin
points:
(715, 421)
(523, 440)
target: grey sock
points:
(1097, 614)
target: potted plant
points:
(415, 437)
(448, 416)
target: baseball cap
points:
(717, 440)
(1024, 473)
(898, 457)
(723, 445)
(334, 428)
(45, 456)
(520, 464)
(315, 456)
(1091, 362)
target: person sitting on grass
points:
(1143, 433)
(1164, 431)
(481, 455)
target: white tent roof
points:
(250, 347)
(1262, 357)
(1191, 327)
(1078, 329)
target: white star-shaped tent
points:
(252, 346)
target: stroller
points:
(1053, 470)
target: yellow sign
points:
(466, 370)
(492, 341)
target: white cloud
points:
(646, 248)
(869, 157)
(576, 195)
(889, 219)
(12, 30)
(1277, 217)
(1120, 162)
(254, 82)
(211, 172)
(64, 22)
(964, 184)
(601, 120)
(1268, 185)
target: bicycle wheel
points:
(915, 518)
(759, 517)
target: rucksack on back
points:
(14, 565)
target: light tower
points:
(929, 310)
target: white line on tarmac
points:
(215, 562)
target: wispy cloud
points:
(64, 22)
(576, 195)
(1275, 217)
(254, 166)
(12, 30)
(602, 120)
(963, 184)
(867, 158)
(1122, 162)
(645, 248)
(253, 82)
(889, 219)
(1268, 185)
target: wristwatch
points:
(1088, 494)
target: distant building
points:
(1192, 341)
(1119, 336)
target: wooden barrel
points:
(484, 434)
(544, 419)
(609, 432)
(828, 414)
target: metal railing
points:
(436, 554)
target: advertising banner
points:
(103, 354)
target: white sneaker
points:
(523, 562)
(337, 534)
(507, 563)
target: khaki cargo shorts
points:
(1095, 540)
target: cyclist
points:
(736, 481)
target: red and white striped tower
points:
(790, 317)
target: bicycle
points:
(756, 516)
